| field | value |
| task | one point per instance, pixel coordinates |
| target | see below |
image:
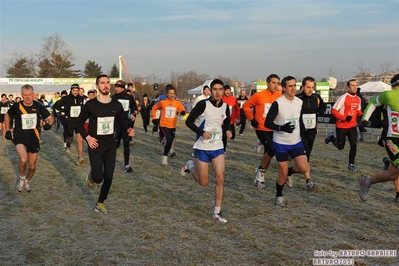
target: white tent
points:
(374, 86)
(198, 90)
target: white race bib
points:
(170, 112)
(125, 104)
(157, 113)
(216, 135)
(4, 110)
(29, 121)
(105, 125)
(309, 120)
(266, 109)
(75, 111)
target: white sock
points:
(217, 210)
(21, 178)
(127, 166)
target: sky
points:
(246, 40)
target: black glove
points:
(363, 125)
(287, 127)
(154, 121)
(46, 126)
(182, 113)
(254, 123)
(348, 118)
(8, 135)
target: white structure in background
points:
(198, 90)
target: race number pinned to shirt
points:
(4, 110)
(29, 121)
(105, 125)
(266, 109)
(170, 112)
(75, 111)
(216, 135)
(125, 104)
(309, 120)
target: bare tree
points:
(21, 65)
(384, 77)
(55, 51)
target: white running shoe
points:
(27, 186)
(164, 160)
(21, 184)
(218, 217)
(258, 146)
(289, 181)
(364, 189)
(279, 201)
(187, 167)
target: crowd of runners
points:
(284, 121)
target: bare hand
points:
(131, 132)
(92, 142)
(206, 135)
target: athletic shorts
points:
(266, 138)
(282, 151)
(392, 148)
(32, 144)
(207, 156)
(71, 127)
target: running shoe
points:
(128, 169)
(386, 160)
(65, 145)
(101, 208)
(131, 143)
(397, 199)
(81, 161)
(328, 138)
(21, 184)
(259, 184)
(89, 180)
(27, 186)
(364, 189)
(164, 160)
(279, 201)
(68, 149)
(171, 153)
(352, 167)
(193, 155)
(218, 217)
(310, 185)
(260, 174)
(187, 167)
(289, 181)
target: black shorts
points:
(266, 138)
(71, 124)
(31, 143)
(392, 148)
(2, 118)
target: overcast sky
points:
(244, 39)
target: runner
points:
(234, 108)
(168, 118)
(26, 116)
(284, 118)
(243, 120)
(313, 105)
(390, 99)
(4, 106)
(209, 119)
(346, 110)
(103, 113)
(261, 102)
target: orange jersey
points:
(169, 110)
(347, 105)
(260, 102)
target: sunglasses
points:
(119, 85)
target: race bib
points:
(29, 121)
(293, 119)
(170, 112)
(75, 111)
(266, 109)
(125, 104)
(216, 135)
(105, 125)
(309, 120)
(395, 123)
(4, 110)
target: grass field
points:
(158, 217)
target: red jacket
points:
(231, 101)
